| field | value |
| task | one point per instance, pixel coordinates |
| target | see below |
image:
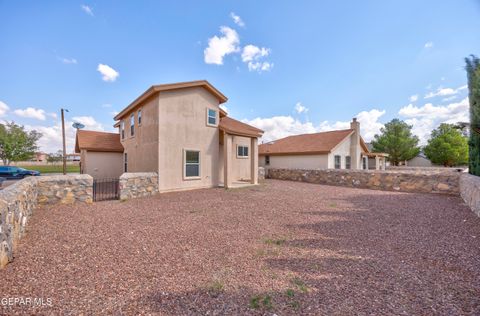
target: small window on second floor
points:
(132, 124)
(139, 116)
(211, 117)
(338, 161)
(348, 162)
(122, 129)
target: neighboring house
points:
(420, 161)
(40, 157)
(342, 149)
(179, 131)
(101, 154)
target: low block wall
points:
(134, 185)
(425, 182)
(19, 200)
(470, 191)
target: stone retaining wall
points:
(261, 173)
(19, 200)
(425, 182)
(470, 191)
(134, 185)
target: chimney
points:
(355, 148)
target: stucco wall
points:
(343, 149)
(296, 161)
(183, 125)
(426, 182)
(103, 164)
(142, 148)
(241, 166)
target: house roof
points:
(231, 126)
(317, 143)
(173, 86)
(97, 141)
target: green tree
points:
(396, 139)
(473, 75)
(447, 146)
(16, 144)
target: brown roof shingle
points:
(98, 141)
(232, 126)
(318, 143)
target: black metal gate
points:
(106, 189)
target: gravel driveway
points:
(282, 247)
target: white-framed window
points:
(348, 162)
(267, 160)
(211, 117)
(122, 129)
(338, 161)
(125, 162)
(139, 117)
(132, 124)
(191, 169)
(242, 151)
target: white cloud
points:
(282, 126)
(219, 47)
(427, 117)
(253, 56)
(52, 115)
(51, 140)
(88, 10)
(68, 60)
(3, 108)
(413, 98)
(30, 112)
(238, 21)
(428, 45)
(445, 92)
(299, 108)
(108, 73)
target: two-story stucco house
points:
(341, 149)
(179, 131)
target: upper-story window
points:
(132, 124)
(139, 116)
(348, 162)
(211, 117)
(122, 129)
(338, 161)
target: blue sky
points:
(287, 67)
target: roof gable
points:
(97, 141)
(173, 86)
(232, 126)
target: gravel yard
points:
(282, 247)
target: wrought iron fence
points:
(106, 189)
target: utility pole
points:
(64, 145)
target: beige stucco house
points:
(342, 149)
(101, 154)
(179, 131)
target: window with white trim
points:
(132, 125)
(122, 129)
(211, 117)
(338, 161)
(192, 163)
(348, 162)
(242, 151)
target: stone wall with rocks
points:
(134, 185)
(470, 191)
(65, 189)
(17, 203)
(405, 181)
